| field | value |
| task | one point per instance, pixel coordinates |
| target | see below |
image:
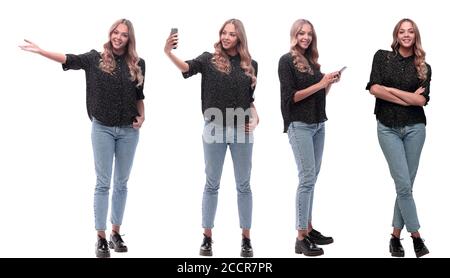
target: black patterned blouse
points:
(310, 110)
(221, 90)
(395, 71)
(110, 98)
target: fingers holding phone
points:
(172, 41)
(337, 74)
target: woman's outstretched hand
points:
(30, 46)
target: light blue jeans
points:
(307, 142)
(110, 144)
(402, 148)
(214, 153)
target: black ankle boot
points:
(395, 247)
(419, 247)
(206, 247)
(246, 248)
(101, 248)
(307, 247)
(319, 239)
(116, 242)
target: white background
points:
(47, 175)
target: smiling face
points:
(119, 39)
(229, 39)
(304, 37)
(406, 35)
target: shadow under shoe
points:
(319, 239)
(307, 247)
(395, 247)
(246, 248)
(116, 242)
(419, 247)
(206, 247)
(101, 248)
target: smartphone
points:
(341, 70)
(174, 31)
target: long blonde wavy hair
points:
(221, 59)
(107, 62)
(311, 56)
(419, 59)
